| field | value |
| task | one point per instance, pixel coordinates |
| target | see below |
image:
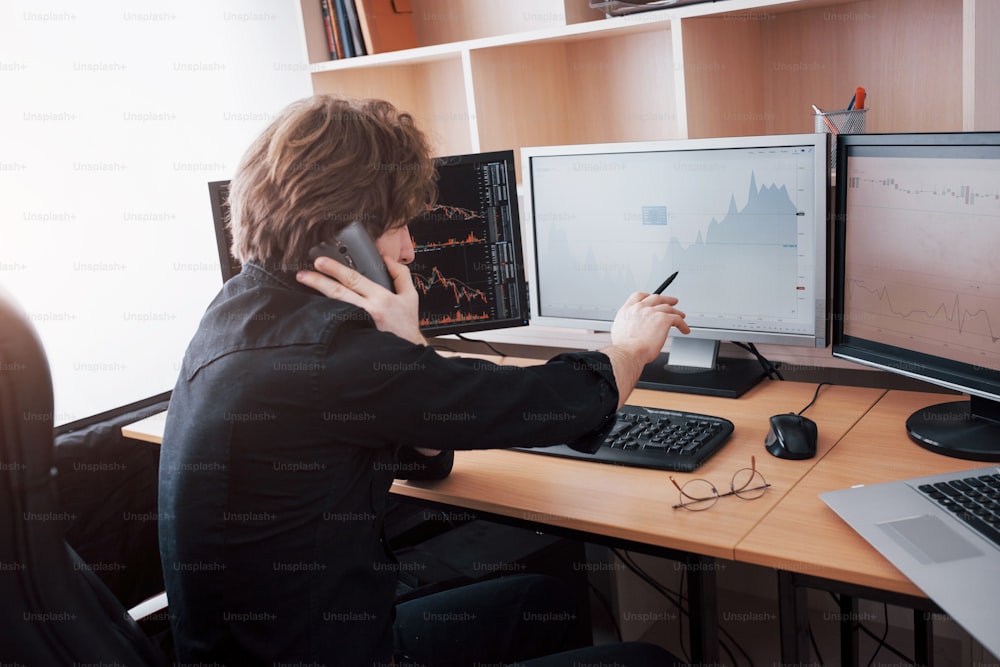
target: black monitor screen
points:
(469, 267)
(917, 282)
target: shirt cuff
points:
(413, 465)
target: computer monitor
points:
(917, 275)
(743, 220)
(469, 264)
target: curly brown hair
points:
(322, 163)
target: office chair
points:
(53, 609)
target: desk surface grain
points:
(635, 504)
(803, 535)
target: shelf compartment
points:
(760, 74)
(605, 88)
(433, 92)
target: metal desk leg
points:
(703, 606)
(795, 648)
(793, 620)
(923, 638)
(848, 631)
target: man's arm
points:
(638, 334)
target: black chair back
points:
(53, 609)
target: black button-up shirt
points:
(291, 417)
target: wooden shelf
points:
(544, 72)
(570, 33)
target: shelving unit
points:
(496, 75)
(485, 76)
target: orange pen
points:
(859, 98)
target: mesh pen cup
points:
(844, 121)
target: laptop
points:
(916, 524)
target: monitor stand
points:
(961, 429)
(694, 367)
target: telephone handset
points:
(354, 247)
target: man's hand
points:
(644, 321)
(393, 312)
(638, 334)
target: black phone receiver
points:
(353, 247)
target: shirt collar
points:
(274, 275)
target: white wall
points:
(114, 116)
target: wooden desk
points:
(630, 504)
(149, 429)
(634, 505)
(803, 535)
(812, 547)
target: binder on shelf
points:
(332, 31)
(342, 24)
(343, 28)
(352, 20)
(386, 25)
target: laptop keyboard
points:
(975, 500)
(654, 438)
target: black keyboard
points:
(654, 438)
(975, 500)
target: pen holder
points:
(844, 121)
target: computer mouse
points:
(791, 436)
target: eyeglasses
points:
(700, 494)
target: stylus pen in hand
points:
(666, 283)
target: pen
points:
(666, 283)
(833, 130)
(858, 100)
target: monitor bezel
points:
(820, 142)
(938, 371)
